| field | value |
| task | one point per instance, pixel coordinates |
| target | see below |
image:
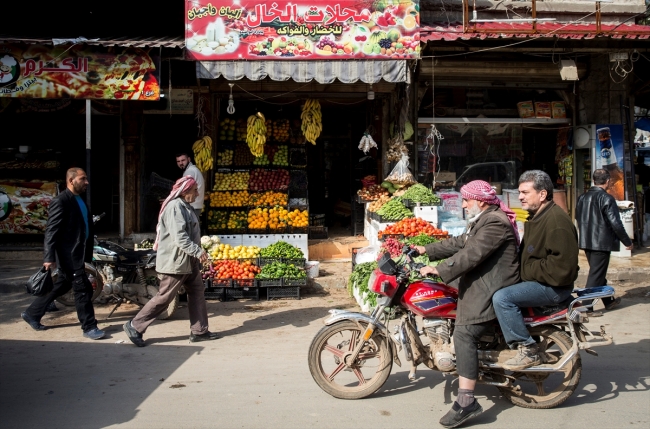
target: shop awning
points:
(504, 30)
(136, 42)
(366, 71)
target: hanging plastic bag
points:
(40, 283)
(401, 175)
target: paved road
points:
(257, 376)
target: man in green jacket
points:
(484, 260)
(549, 266)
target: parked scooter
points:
(125, 275)
(352, 356)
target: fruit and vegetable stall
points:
(239, 271)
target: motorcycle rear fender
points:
(340, 315)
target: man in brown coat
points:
(484, 260)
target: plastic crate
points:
(299, 230)
(158, 185)
(244, 283)
(234, 293)
(398, 237)
(266, 261)
(411, 204)
(317, 219)
(218, 293)
(269, 282)
(220, 283)
(299, 263)
(283, 292)
(298, 193)
(258, 231)
(294, 282)
(282, 230)
(251, 260)
(318, 233)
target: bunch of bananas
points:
(312, 120)
(256, 134)
(203, 153)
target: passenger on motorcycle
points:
(484, 259)
(549, 266)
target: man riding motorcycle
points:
(549, 266)
(484, 259)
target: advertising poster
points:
(302, 30)
(609, 155)
(39, 71)
(23, 206)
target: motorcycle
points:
(125, 275)
(351, 357)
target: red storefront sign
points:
(38, 71)
(282, 30)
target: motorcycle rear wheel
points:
(364, 377)
(547, 390)
(67, 298)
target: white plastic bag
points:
(401, 175)
(367, 254)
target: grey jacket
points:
(484, 259)
(180, 239)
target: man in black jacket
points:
(600, 227)
(484, 259)
(68, 245)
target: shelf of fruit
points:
(231, 181)
(267, 180)
(268, 199)
(412, 227)
(225, 157)
(221, 199)
(277, 219)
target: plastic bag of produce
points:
(367, 254)
(401, 175)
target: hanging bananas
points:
(256, 134)
(312, 120)
(203, 153)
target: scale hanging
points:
(231, 103)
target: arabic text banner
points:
(39, 71)
(282, 30)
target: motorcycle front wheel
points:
(543, 390)
(327, 361)
(67, 299)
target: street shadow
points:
(81, 385)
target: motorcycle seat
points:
(538, 314)
(132, 257)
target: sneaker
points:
(36, 325)
(526, 357)
(208, 336)
(613, 304)
(459, 415)
(94, 334)
(134, 336)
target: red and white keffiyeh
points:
(181, 186)
(482, 191)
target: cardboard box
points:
(445, 176)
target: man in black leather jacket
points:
(600, 230)
(68, 245)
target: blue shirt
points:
(84, 212)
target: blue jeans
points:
(507, 303)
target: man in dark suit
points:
(68, 245)
(601, 232)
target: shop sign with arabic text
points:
(322, 30)
(39, 71)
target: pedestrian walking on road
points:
(179, 258)
(68, 245)
(601, 229)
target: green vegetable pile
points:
(281, 249)
(360, 275)
(394, 210)
(421, 194)
(278, 270)
(421, 240)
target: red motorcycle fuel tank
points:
(430, 299)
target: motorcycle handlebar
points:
(96, 218)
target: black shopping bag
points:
(40, 283)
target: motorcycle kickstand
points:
(119, 302)
(413, 373)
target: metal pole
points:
(88, 140)
(121, 186)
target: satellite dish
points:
(581, 137)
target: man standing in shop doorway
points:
(68, 245)
(184, 162)
(600, 227)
